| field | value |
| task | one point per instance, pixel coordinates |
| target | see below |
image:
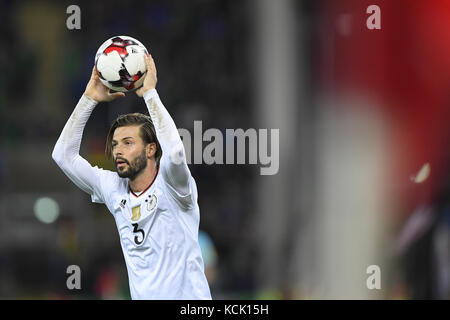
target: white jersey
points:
(158, 228)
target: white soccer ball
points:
(120, 63)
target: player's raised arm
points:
(66, 150)
(173, 164)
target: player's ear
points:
(151, 150)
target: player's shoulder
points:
(110, 180)
(108, 186)
(184, 201)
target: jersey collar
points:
(137, 196)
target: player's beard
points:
(135, 168)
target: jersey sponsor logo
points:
(136, 213)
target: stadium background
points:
(360, 112)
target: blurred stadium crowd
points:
(364, 171)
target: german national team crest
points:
(152, 202)
(136, 213)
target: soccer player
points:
(152, 196)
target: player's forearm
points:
(68, 145)
(67, 148)
(165, 127)
(174, 166)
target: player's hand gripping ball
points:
(120, 63)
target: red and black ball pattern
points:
(126, 80)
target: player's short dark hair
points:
(147, 131)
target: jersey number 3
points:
(136, 230)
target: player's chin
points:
(122, 172)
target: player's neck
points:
(144, 179)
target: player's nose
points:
(117, 155)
